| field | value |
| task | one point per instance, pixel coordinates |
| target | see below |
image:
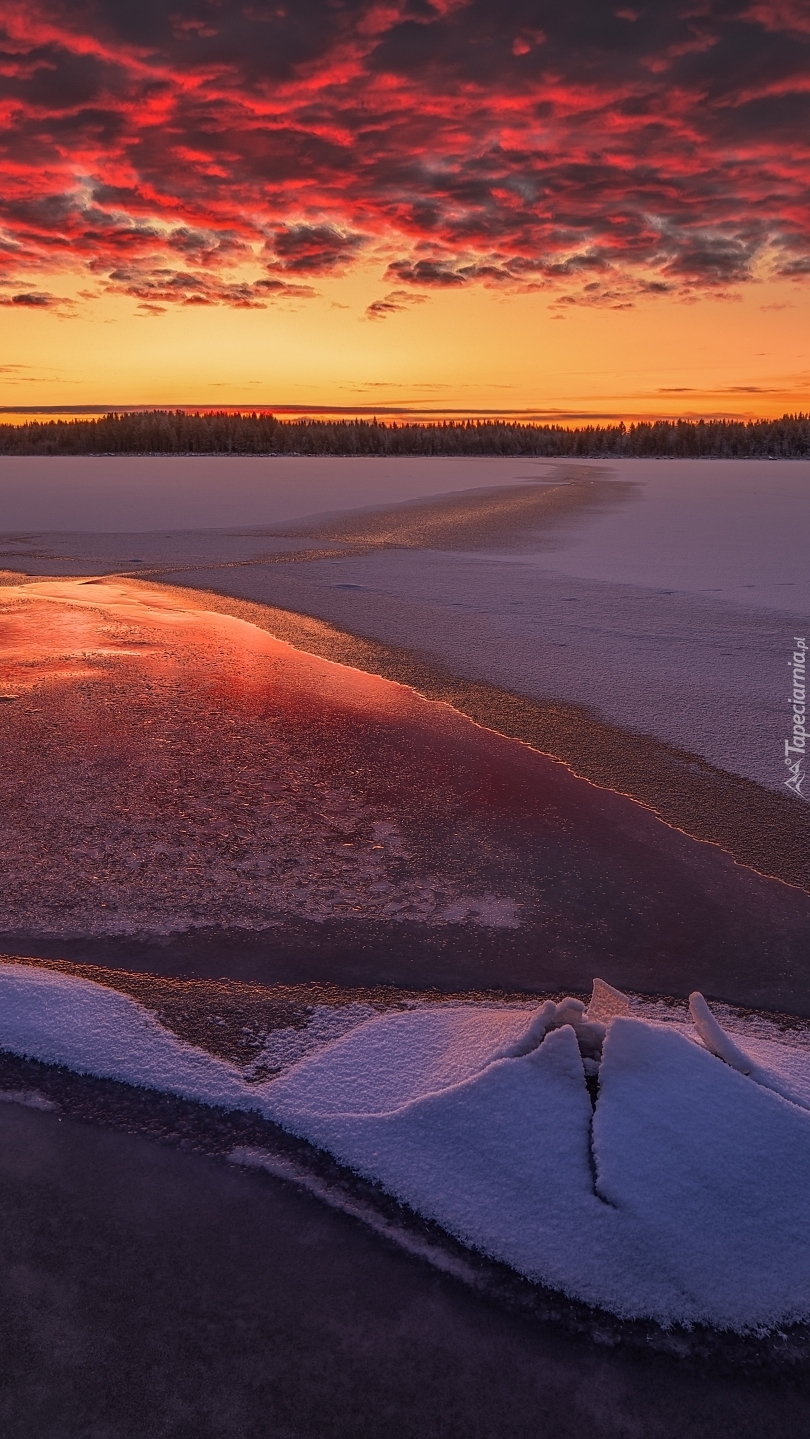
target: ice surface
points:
(671, 614)
(721, 527)
(685, 1196)
(133, 803)
(703, 671)
(102, 494)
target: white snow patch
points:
(500, 1159)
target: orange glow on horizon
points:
(474, 353)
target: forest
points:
(179, 432)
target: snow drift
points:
(683, 1197)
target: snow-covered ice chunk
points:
(535, 1032)
(714, 1036)
(700, 1210)
(714, 1167)
(606, 1002)
(395, 1058)
(500, 1159)
(61, 1019)
(590, 1034)
(780, 1071)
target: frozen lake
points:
(708, 527)
(102, 494)
(669, 608)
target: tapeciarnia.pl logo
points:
(795, 752)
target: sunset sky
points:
(560, 209)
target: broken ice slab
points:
(713, 1169)
(606, 1002)
(715, 1038)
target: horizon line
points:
(417, 414)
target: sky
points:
(559, 210)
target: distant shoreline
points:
(182, 433)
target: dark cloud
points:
(440, 273)
(712, 259)
(32, 300)
(528, 143)
(281, 290)
(393, 303)
(313, 249)
(43, 300)
(796, 269)
(205, 247)
(160, 286)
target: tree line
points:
(178, 432)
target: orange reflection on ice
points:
(166, 769)
(60, 627)
(184, 767)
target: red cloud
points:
(784, 15)
(205, 154)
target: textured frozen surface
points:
(685, 1197)
(172, 768)
(166, 770)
